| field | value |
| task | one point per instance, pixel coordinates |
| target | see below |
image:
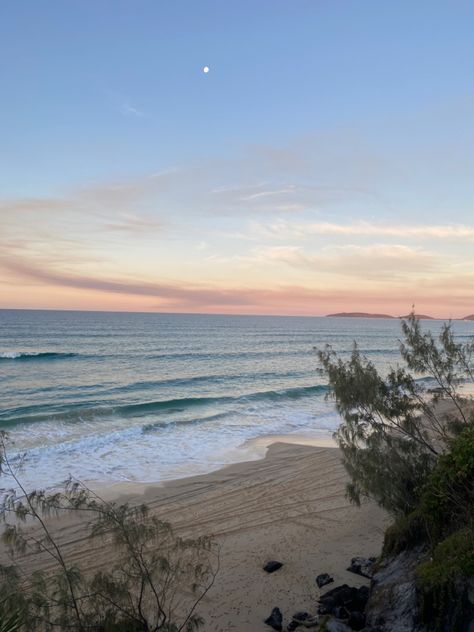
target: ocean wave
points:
(228, 355)
(205, 380)
(188, 402)
(35, 355)
(160, 425)
(168, 406)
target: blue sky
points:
(369, 104)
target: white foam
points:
(117, 449)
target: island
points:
(368, 315)
(420, 317)
(470, 317)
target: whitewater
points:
(113, 397)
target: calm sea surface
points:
(144, 397)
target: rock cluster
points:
(341, 609)
(391, 604)
(347, 604)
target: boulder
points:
(340, 612)
(323, 580)
(275, 620)
(363, 596)
(363, 566)
(341, 596)
(303, 620)
(356, 620)
(271, 567)
(301, 616)
(333, 625)
(327, 606)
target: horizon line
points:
(335, 315)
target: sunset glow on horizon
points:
(330, 174)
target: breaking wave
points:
(35, 355)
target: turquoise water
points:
(145, 397)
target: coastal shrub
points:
(393, 428)
(402, 447)
(446, 578)
(446, 501)
(154, 580)
(406, 532)
(445, 581)
(448, 495)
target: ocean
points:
(114, 397)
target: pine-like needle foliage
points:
(154, 582)
(394, 427)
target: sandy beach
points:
(289, 506)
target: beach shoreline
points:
(251, 451)
(289, 506)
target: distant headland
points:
(368, 315)
(420, 317)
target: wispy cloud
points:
(167, 295)
(135, 224)
(317, 299)
(283, 229)
(281, 196)
(378, 261)
(129, 110)
(263, 229)
(179, 294)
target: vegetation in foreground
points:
(154, 582)
(402, 449)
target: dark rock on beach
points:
(340, 612)
(356, 620)
(363, 596)
(275, 620)
(363, 566)
(341, 596)
(323, 579)
(303, 620)
(346, 604)
(327, 606)
(299, 617)
(333, 625)
(272, 566)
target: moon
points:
(205, 70)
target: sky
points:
(323, 164)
